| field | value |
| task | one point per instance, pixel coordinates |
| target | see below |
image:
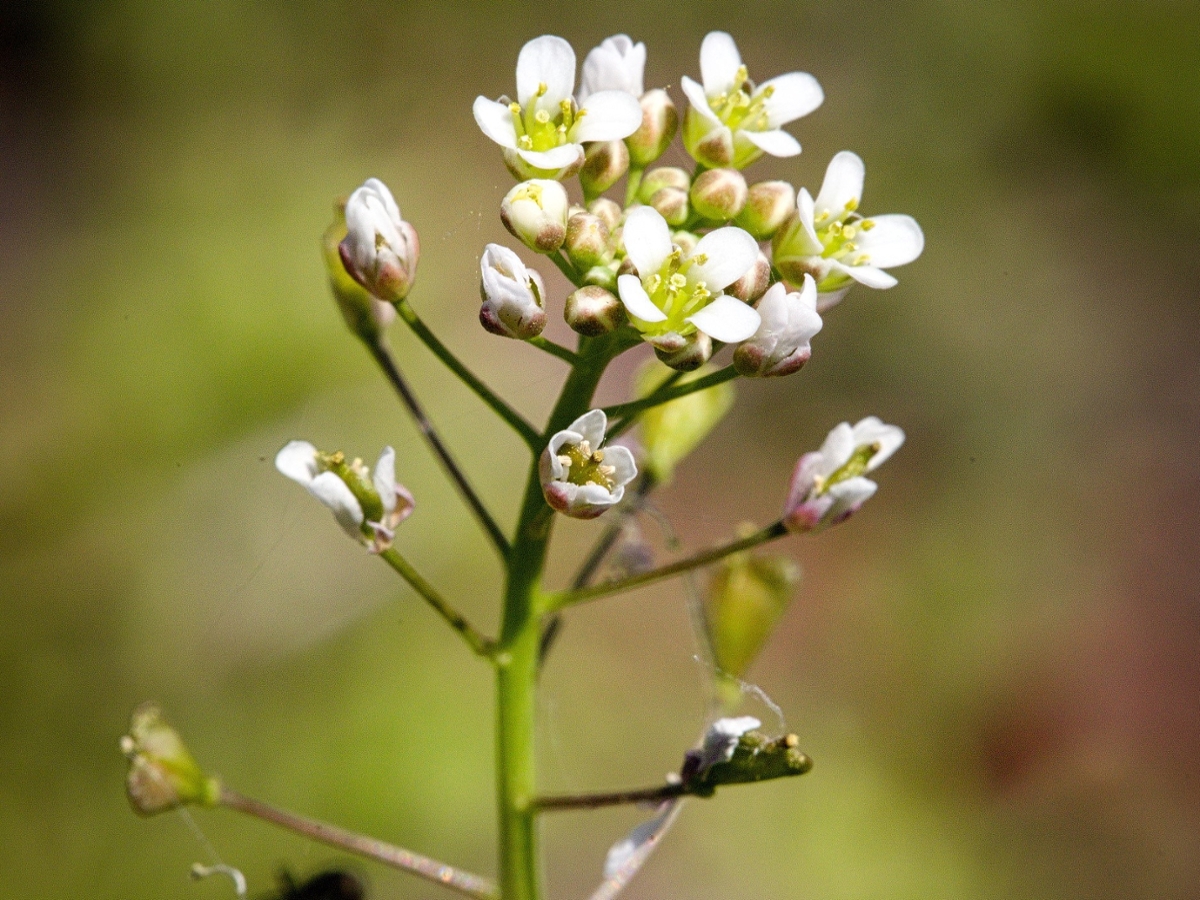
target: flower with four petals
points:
(580, 477)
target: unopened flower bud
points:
(672, 204)
(663, 177)
(580, 477)
(768, 205)
(687, 242)
(587, 241)
(604, 163)
(660, 121)
(594, 311)
(162, 774)
(535, 212)
(367, 316)
(514, 297)
(781, 344)
(751, 286)
(601, 276)
(608, 211)
(719, 194)
(683, 353)
(380, 250)
(672, 430)
(745, 600)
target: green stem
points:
(514, 419)
(627, 412)
(653, 795)
(704, 558)
(633, 182)
(482, 646)
(568, 356)
(567, 268)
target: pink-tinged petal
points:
(332, 491)
(873, 431)
(836, 450)
(384, 478)
(870, 276)
(637, 301)
(546, 60)
(777, 143)
(298, 461)
(554, 158)
(848, 496)
(495, 120)
(647, 240)
(795, 94)
(843, 185)
(730, 253)
(719, 62)
(608, 116)
(893, 240)
(403, 506)
(698, 99)
(591, 427)
(727, 319)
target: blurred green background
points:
(996, 666)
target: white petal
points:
(777, 143)
(827, 300)
(332, 491)
(637, 301)
(648, 240)
(843, 185)
(298, 461)
(872, 431)
(722, 738)
(384, 478)
(806, 208)
(699, 100)
(594, 496)
(627, 855)
(616, 65)
(796, 94)
(730, 251)
(546, 60)
(621, 459)
(773, 311)
(719, 62)
(385, 196)
(836, 450)
(848, 495)
(894, 241)
(495, 120)
(591, 427)
(871, 276)
(727, 319)
(608, 116)
(554, 158)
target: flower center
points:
(675, 294)
(741, 106)
(586, 466)
(838, 234)
(537, 129)
(356, 476)
(853, 467)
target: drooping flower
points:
(828, 485)
(730, 121)
(380, 250)
(617, 64)
(367, 506)
(514, 297)
(828, 239)
(676, 294)
(581, 478)
(781, 344)
(543, 132)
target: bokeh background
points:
(996, 666)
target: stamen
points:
(565, 460)
(852, 204)
(585, 449)
(866, 224)
(821, 217)
(542, 88)
(861, 260)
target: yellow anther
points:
(861, 260)
(541, 89)
(699, 259)
(821, 217)
(514, 108)
(835, 228)
(850, 247)
(866, 224)
(598, 456)
(852, 204)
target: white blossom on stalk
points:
(367, 506)
(543, 132)
(514, 303)
(781, 344)
(732, 122)
(676, 293)
(828, 239)
(828, 485)
(579, 478)
(617, 64)
(380, 249)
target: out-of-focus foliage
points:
(995, 667)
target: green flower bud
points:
(768, 205)
(672, 204)
(536, 213)
(686, 241)
(365, 315)
(587, 241)
(162, 773)
(601, 276)
(594, 311)
(663, 177)
(608, 211)
(719, 194)
(670, 431)
(603, 165)
(683, 354)
(660, 121)
(751, 286)
(746, 598)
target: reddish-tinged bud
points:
(587, 241)
(603, 165)
(768, 205)
(719, 194)
(660, 121)
(593, 311)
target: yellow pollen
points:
(851, 247)
(835, 228)
(514, 107)
(821, 216)
(852, 204)
(866, 224)
(598, 456)
(541, 89)
(700, 259)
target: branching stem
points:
(667, 392)
(482, 646)
(615, 798)
(570, 357)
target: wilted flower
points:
(543, 132)
(617, 64)
(721, 740)
(380, 250)
(579, 478)
(368, 507)
(828, 485)
(514, 297)
(730, 122)
(781, 344)
(828, 239)
(162, 774)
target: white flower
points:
(514, 302)
(578, 477)
(618, 64)
(674, 293)
(380, 250)
(368, 507)
(828, 486)
(730, 122)
(828, 239)
(535, 212)
(543, 132)
(781, 344)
